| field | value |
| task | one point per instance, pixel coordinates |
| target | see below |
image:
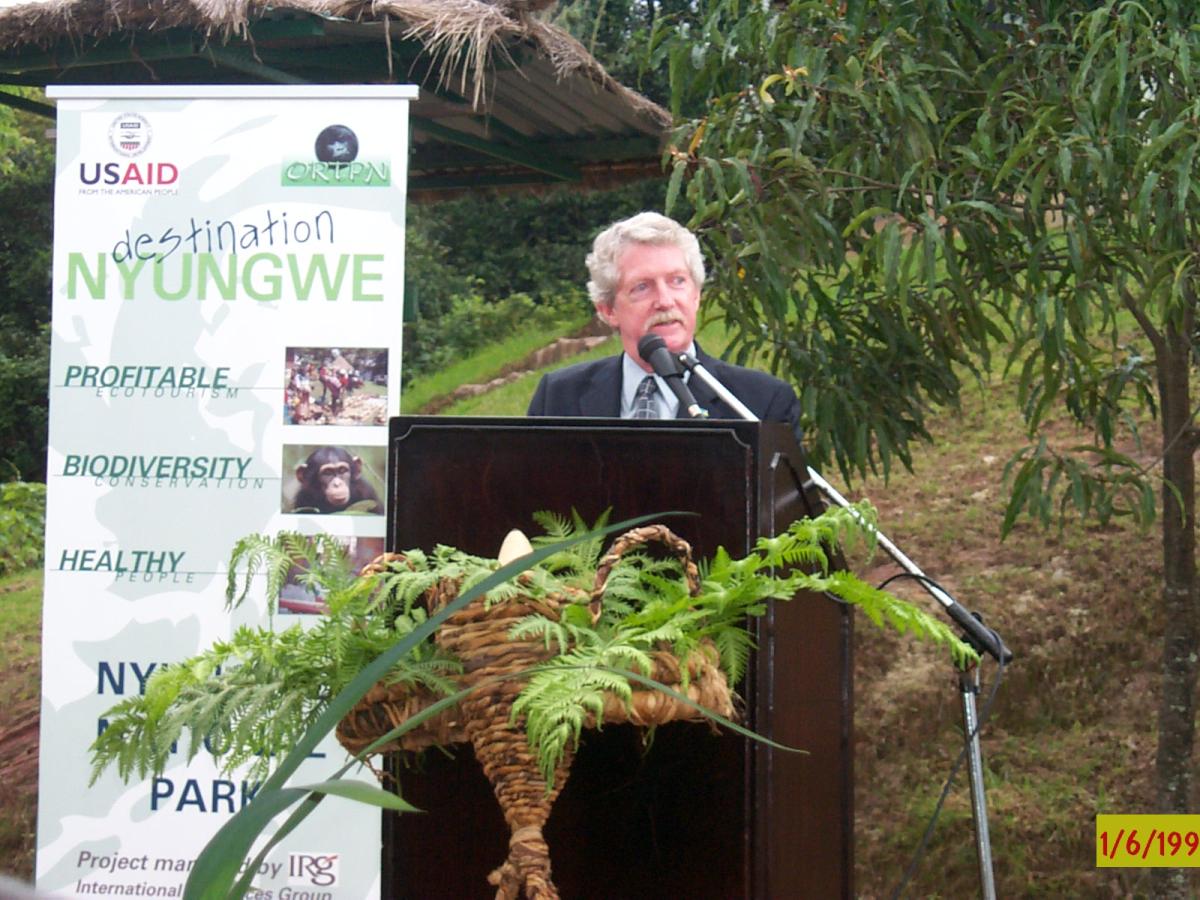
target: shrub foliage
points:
(22, 525)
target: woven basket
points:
(478, 636)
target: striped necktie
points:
(644, 406)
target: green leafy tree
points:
(895, 191)
(477, 263)
(532, 244)
(627, 36)
(24, 406)
(26, 194)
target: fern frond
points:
(400, 588)
(254, 694)
(556, 527)
(255, 551)
(129, 742)
(881, 607)
(580, 559)
(665, 632)
(434, 674)
(625, 656)
(564, 693)
(539, 626)
(588, 552)
(321, 559)
(733, 646)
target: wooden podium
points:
(694, 814)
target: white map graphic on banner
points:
(228, 298)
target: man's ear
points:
(605, 312)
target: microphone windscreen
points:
(653, 349)
(648, 344)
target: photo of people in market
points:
(335, 386)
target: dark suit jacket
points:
(594, 389)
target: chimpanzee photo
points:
(331, 480)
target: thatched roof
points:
(514, 97)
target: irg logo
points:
(320, 869)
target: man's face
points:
(655, 293)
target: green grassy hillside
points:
(20, 674)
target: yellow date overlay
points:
(1150, 841)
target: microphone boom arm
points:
(981, 637)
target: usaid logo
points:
(317, 869)
(129, 134)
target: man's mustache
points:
(664, 318)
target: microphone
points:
(653, 349)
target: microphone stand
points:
(979, 636)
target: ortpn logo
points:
(336, 163)
(337, 144)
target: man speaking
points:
(646, 275)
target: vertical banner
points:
(228, 274)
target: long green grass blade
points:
(360, 792)
(310, 803)
(214, 880)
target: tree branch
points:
(1155, 336)
(917, 191)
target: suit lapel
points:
(706, 396)
(708, 399)
(601, 397)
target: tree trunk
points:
(1181, 642)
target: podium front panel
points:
(684, 811)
